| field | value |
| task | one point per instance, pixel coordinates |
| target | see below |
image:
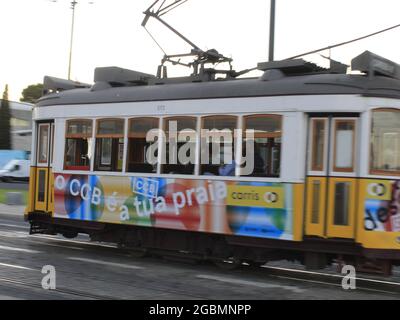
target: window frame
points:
(130, 136)
(280, 118)
(76, 136)
(312, 141)
(111, 136)
(336, 122)
(238, 121)
(163, 119)
(372, 171)
(164, 145)
(39, 148)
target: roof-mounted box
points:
(52, 84)
(119, 77)
(372, 64)
(292, 67)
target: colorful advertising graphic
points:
(382, 206)
(229, 207)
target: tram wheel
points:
(70, 235)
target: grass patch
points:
(4, 191)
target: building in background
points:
(21, 125)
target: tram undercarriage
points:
(226, 251)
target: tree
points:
(32, 93)
(5, 126)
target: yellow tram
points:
(325, 182)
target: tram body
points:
(330, 186)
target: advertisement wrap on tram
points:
(258, 209)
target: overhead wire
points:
(344, 43)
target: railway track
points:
(319, 277)
(284, 273)
(65, 291)
(362, 283)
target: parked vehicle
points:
(15, 170)
(7, 155)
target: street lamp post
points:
(73, 5)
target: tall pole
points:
(272, 31)
(73, 5)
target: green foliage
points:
(32, 93)
(4, 191)
(5, 126)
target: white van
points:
(15, 170)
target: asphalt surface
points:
(14, 185)
(86, 270)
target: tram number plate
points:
(161, 108)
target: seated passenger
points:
(227, 169)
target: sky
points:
(35, 34)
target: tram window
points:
(316, 191)
(341, 204)
(41, 194)
(110, 127)
(217, 145)
(266, 142)
(385, 142)
(344, 146)
(52, 143)
(138, 146)
(318, 144)
(43, 143)
(109, 145)
(78, 145)
(179, 153)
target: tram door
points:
(331, 177)
(43, 175)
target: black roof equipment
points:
(107, 77)
(54, 85)
(372, 64)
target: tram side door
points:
(43, 174)
(331, 177)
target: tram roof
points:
(379, 78)
(318, 84)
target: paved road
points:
(14, 185)
(87, 270)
